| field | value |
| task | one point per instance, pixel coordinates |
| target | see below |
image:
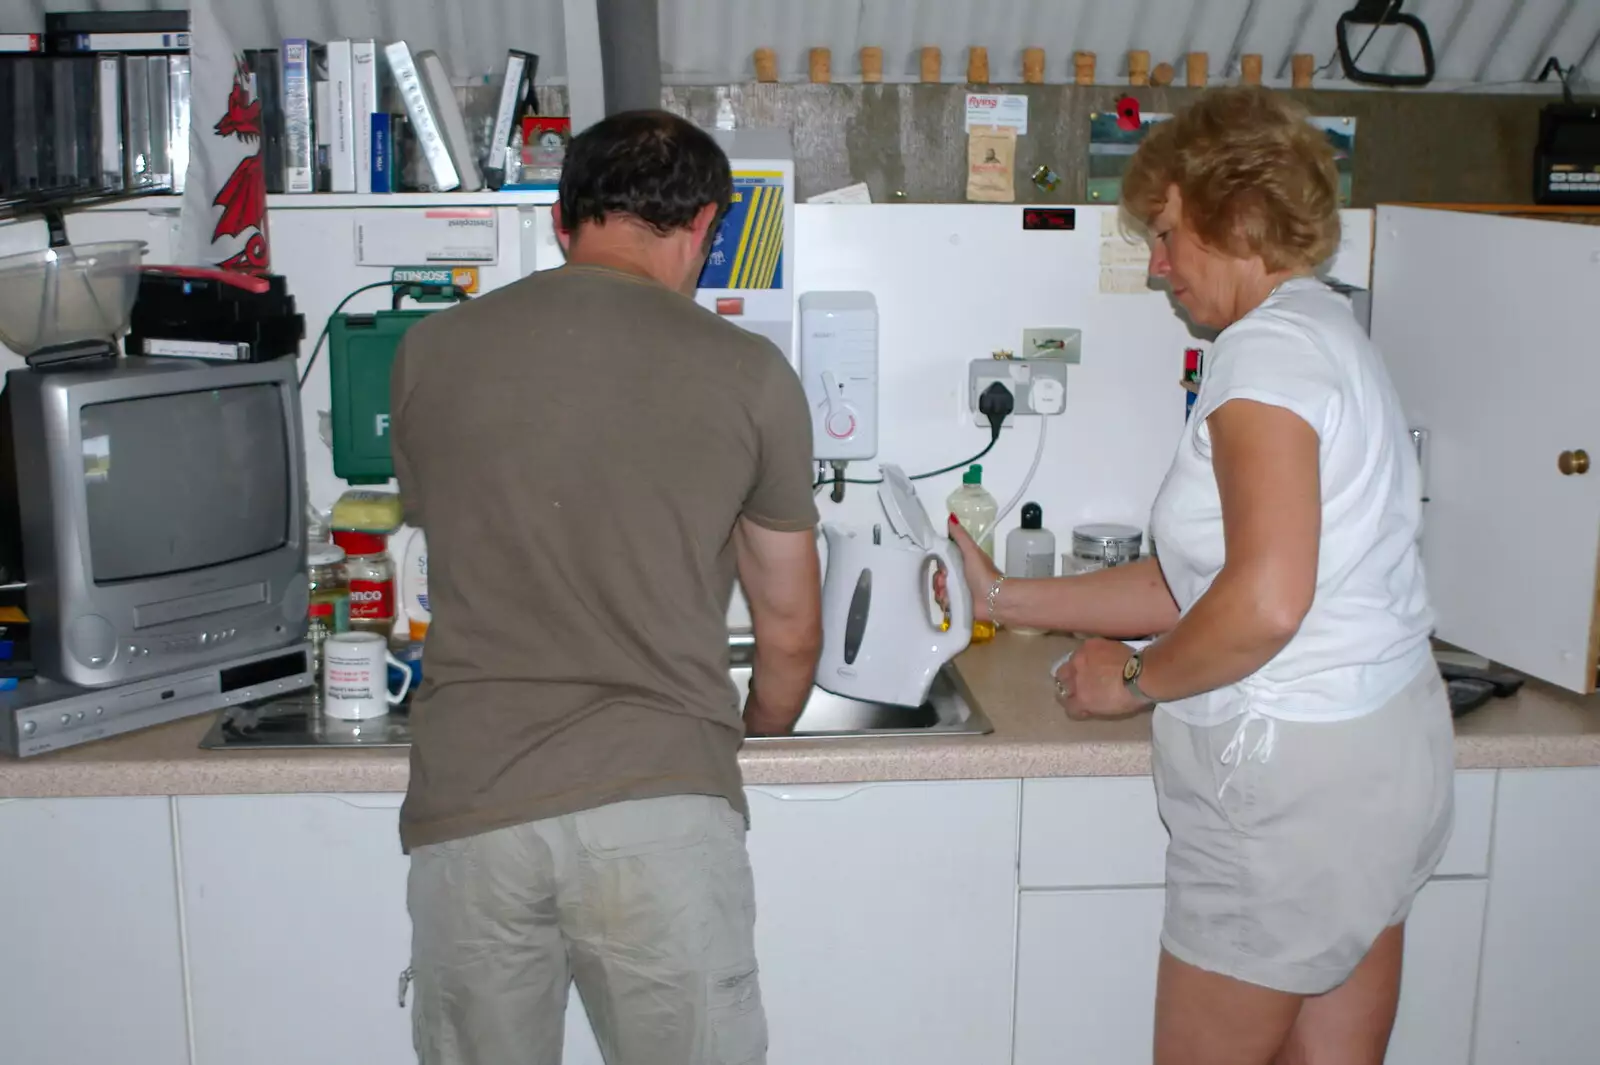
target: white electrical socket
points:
(1037, 386)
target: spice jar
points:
(370, 573)
(329, 612)
(1101, 546)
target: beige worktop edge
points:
(1540, 727)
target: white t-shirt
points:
(1367, 632)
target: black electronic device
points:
(224, 315)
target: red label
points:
(371, 599)
(321, 610)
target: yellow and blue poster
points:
(747, 251)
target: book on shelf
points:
(452, 123)
(265, 66)
(515, 89)
(340, 108)
(364, 95)
(422, 115)
(380, 140)
(304, 64)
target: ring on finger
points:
(1062, 691)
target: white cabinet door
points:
(1086, 976)
(90, 969)
(1087, 961)
(297, 931)
(885, 921)
(1541, 946)
(1440, 983)
(1489, 327)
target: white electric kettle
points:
(884, 635)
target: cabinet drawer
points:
(1091, 832)
(1105, 832)
(1468, 852)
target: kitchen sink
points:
(948, 711)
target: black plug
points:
(995, 403)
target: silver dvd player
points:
(41, 715)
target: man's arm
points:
(781, 578)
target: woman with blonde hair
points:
(1302, 740)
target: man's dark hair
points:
(653, 165)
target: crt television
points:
(158, 509)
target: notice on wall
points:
(1124, 263)
(997, 109)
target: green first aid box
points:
(361, 351)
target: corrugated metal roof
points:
(1493, 43)
(710, 41)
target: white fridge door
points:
(1491, 330)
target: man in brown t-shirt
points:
(593, 458)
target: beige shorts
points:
(648, 906)
(1294, 845)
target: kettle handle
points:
(956, 590)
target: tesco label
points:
(997, 109)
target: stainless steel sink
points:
(948, 711)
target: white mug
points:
(355, 676)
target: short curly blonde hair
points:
(1254, 176)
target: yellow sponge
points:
(367, 511)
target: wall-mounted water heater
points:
(839, 367)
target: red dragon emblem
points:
(243, 197)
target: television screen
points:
(186, 480)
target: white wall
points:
(953, 283)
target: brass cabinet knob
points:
(1572, 462)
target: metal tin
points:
(1101, 546)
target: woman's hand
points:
(979, 568)
(1089, 684)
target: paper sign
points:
(990, 109)
(857, 193)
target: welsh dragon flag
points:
(223, 216)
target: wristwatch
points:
(1130, 676)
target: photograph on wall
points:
(1115, 135)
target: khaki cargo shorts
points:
(1294, 845)
(648, 906)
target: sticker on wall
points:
(1050, 219)
(747, 251)
(463, 277)
(992, 109)
(1115, 135)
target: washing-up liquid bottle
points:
(976, 510)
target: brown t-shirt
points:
(578, 447)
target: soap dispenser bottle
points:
(976, 510)
(1030, 553)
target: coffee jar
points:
(1101, 545)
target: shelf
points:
(486, 198)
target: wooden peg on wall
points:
(1162, 74)
(1250, 69)
(871, 65)
(1304, 67)
(1033, 66)
(977, 65)
(766, 65)
(1083, 68)
(1139, 67)
(1198, 68)
(821, 66)
(932, 64)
